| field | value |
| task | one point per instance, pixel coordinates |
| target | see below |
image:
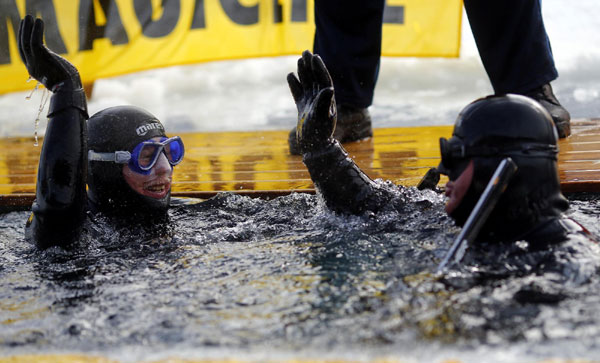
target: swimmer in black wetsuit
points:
(121, 153)
(486, 131)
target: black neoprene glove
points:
(50, 69)
(314, 97)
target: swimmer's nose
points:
(162, 165)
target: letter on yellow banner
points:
(105, 38)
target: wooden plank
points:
(579, 158)
(258, 163)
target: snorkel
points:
(123, 135)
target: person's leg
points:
(348, 39)
(512, 43)
(515, 51)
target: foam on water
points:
(241, 277)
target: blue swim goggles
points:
(145, 154)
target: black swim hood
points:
(113, 129)
(517, 126)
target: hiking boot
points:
(560, 116)
(353, 124)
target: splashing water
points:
(286, 278)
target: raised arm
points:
(345, 187)
(59, 207)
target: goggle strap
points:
(119, 157)
(460, 151)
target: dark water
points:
(241, 277)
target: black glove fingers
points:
(25, 41)
(304, 76)
(314, 80)
(37, 33)
(44, 63)
(310, 77)
(307, 57)
(20, 41)
(318, 126)
(38, 49)
(53, 69)
(295, 88)
(323, 104)
(320, 72)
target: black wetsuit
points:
(343, 185)
(347, 189)
(60, 201)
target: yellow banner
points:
(105, 38)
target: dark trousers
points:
(509, 34)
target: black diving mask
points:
(455, 155)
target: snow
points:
(253, 95)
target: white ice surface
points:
(253, 95)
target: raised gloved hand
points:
(53, 71)
(313, 94)
(47, 67)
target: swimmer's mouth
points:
(157, 188)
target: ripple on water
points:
(241, 274)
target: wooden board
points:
(258, 163)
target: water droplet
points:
(37, 85)
(43, 102)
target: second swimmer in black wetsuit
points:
(486, 131)
(121, 153)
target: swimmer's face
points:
(157, 184)
(456, 189)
